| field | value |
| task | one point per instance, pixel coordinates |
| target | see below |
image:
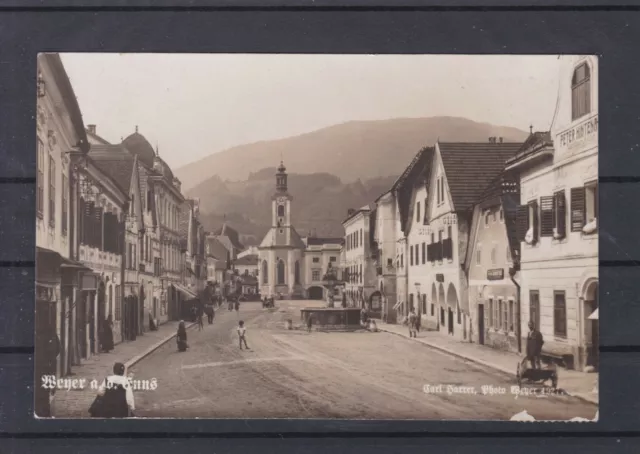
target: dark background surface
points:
(613, 34)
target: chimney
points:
(91, 128)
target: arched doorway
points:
(316, 293)
(375, 305)
(591, 324)
(452, 305)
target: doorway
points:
(481, 324)
(450, 321)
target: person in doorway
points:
(107, 339)
(181, 337)
(242, 332)
(534, 346)
(115, 396)
(412, 323)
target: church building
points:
(281, 252)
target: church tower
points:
(281, 201)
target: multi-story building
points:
(195, 270)
(359, 259)
(124, 168)
(437, 201)
(103, 206)
(321, 253)
(492, 268)
(557, 220)
(384, 238)
(247, 264)
(61, 142)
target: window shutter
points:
(522, 221)
(577, 209)
(561, 214)
(536, 221)
(546, 216)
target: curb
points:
(153, 348)
(581, 396)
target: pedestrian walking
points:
(412, 323)
(181, 337)
(242, 332)
(309, 323)
(115, 396)
(534, 347)
(200, 322)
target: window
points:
(527, 222)
(411, 255)
(500, 315)
(559, 314)
(424, 304)
(65, 203)
(584, 208)
(559, 215)
(52, 191)
(580, 92)
(433, 308)
(425, 220)
(40, 180)
(361, 275)
(315, 275)
(478, 255)
(534, 308)
(361, 238)
(118, 303)
(424, 254)
(332, 259)
(511, 315)
(491, 314)
(418, 212)
(296, 273)
(281, 277)
(265, 272)
(316, 260)
(280, 210)
(505, 316)
(494, 254)
(438, 191)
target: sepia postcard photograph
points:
(371, 237)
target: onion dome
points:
(137, 144)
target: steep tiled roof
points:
(535, 142)
(418, 170)
(115, 162)
(232, 234)
(315, 241)
(247, 260)
(136, 143)
(470, 167)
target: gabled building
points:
(492, 268)
(557, 220)
(247, 264)
(230, 237)
(438, 224)
(320, 253)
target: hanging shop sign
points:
(495, 274)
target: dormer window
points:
(581, 91)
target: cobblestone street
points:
(295, 374)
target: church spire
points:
(281, 178)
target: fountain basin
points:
(332, 318)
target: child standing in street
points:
(241, 335)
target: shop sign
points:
(495, 274)
(89, 282)
(439, 277)
(579, 134)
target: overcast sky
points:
(193, 105)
